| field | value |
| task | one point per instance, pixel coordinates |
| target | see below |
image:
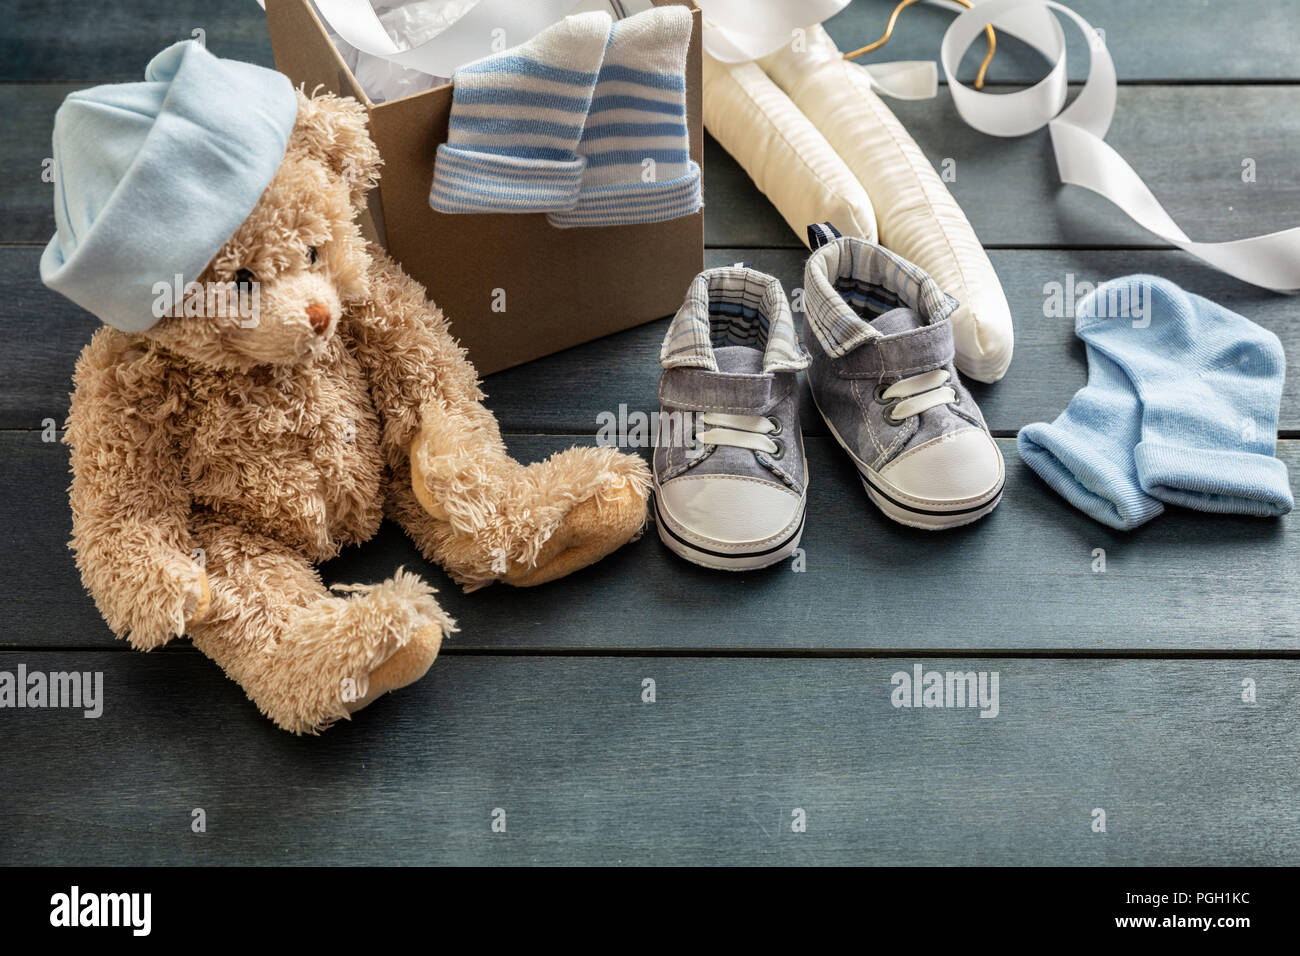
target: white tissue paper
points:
(412, 22)
(409, 23)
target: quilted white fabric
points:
(916, 215)
(783, 153)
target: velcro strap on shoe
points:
(897, 356)
(699, 390)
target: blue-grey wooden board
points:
(1025, 578)
(1049, 365)
(1166, 41)
(623, 369)
(1119, 690)
(1217, 40)
(1188, 142)
(713, 772)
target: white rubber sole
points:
(928, 516)
(680, 542)
(929, 520)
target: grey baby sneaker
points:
(882, 376)
(729, 471)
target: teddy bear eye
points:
(311, 255)
(245, 277)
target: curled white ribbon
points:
(904, 79)
(738, 31)
(1078, 133)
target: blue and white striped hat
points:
(516, 118)
(635, 140)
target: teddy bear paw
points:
(405, 666)
(603, 505)
(342, 653)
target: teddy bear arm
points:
(131, 513)
(138, 568)
(471, 507)
(417, 370)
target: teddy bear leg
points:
(494, 519)
(307, 656)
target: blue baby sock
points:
(1210, 385)
(1181, 406)
(516, 119)
(1086, 455)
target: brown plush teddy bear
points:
(217, 460)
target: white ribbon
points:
(1078, 134)
(472, 37)
(904, 79)
(738, 31)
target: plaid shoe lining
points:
(850, 281)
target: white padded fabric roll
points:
(916, 215)
(783, 153)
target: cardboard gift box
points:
(514, 287)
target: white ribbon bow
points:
(1082, 156)
(741, 30)
(737, 31)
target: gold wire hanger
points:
(889, 31)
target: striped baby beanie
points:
(635, 142)
(516, 118)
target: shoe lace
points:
(916, 394)
(741, 431)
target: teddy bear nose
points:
(318, 314)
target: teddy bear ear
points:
(333, 129)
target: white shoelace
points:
(918, 393)
(742, 431)
(911, 396)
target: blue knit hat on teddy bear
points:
(152, 178)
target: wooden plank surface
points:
(69, 41)
(65, 40)
(1049, 365)
(1219, 40)
(1187, 142)
(27, 121)
(711, 772)
(1119, 690)
(1021, 579)
(623, 369)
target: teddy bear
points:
(219, 453)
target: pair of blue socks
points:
(1181, 408)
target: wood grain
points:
(569, 391)
(1119, 690)
(586, 773)
(1224, 41)
(67, 42)
(1187, 143)
(1021, 579)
